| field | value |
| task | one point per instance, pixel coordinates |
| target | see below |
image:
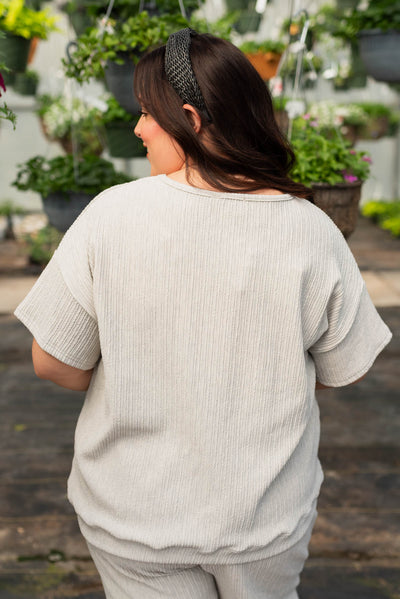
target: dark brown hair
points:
(247, 144)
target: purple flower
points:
(2, 84)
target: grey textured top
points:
(207, 317)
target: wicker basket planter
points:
(340, 202)
(62, 209)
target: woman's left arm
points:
(49, 368)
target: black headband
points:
(179, 71)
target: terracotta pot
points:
(265, 63)
(340, 202)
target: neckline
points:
(239, 196)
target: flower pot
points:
(340, 202)
(375, 128)
(122, 141)
(265, 63)
(25, 85)
(380, 52)
(63, 208)
(233, 5)
(282, 118)
(14, 51)
(248, 21)
(119, 80)
(80, 21)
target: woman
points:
(201, 307)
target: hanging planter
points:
(119, 80)
(122, 142)
(26, 83)
(340, 202)
(14, 50)
(265, 56)
(380, 52)
(63, 208)
(248, 21)
(66, 184)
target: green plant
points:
(5, 112)
(133, 36)
(324, 156)
(331, 114)
(42, 244)
(8, 209)
(17, 19)
(64, 117)
(89, 174)
(251, 47)
(123, 9)
(114, 112)
(378, 14)
(386, 214)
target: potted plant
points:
(72, 122)
(381, 120)
(311, 65)
(119, 128)
(348, 118)
(327, 163)
(20, 25)
(5, 112)
(26, 83)
(113, 52)
(264, 56)
(377, 28)
(67, 184)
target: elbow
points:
(40, 371)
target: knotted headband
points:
(179, 71)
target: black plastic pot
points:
(380, 52)
(25, 85)
(14, 51)
(63, 208)
(122, 141)
(119, 80)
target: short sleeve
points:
(352, 355)
(59, 310)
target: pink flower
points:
(353, 152)
(366, 159)
(349, 178)
(2, 84)
(306, 116)
(313, 124)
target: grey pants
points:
(273, 578)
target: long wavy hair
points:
(247, 151)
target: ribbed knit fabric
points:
(198, 438)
